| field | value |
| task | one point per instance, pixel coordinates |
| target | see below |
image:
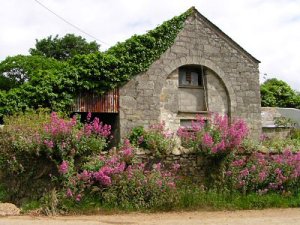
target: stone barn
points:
(203, 71)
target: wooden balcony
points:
(95, 103)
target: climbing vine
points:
(104, 71)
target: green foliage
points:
(3, 193)
(295, 134)
(98, 72)
(284, 122)
(60, 68)
(277, 93)
(277, 145)
(140, 192)
(19, 69)
(63, 48)
(195, 198)
(157, 139)
(52, 86)
(136, 134)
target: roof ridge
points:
(224, 35)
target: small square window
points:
(190, 76)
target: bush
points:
(156, 139)
(34, 146)
(136, 137)
(262, 173)
(119, 180)
(213, 137)
(295, 134)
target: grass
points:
(190, 197)
(194, 198)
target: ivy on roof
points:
(107, 70)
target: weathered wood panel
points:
(92, 102)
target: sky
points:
(268, 29)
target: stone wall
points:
(232, 80)
(218, 100)
(277, 132)
(191, 165)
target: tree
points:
(63, 48)
(16, 70)
(277, 93)
(36, 81)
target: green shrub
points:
(295, 134)
(136, 136)
(157, 139)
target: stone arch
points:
(209, 64)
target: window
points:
(190, 76)
(187, 123)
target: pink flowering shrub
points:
(119, 179)
(213, 136)
(66, 138)
(37, 144)
(263, 173)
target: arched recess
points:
(189, 60)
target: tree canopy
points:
(16, 70)
(277, 93)
(63, 48)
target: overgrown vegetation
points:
(33, 145)
(59, 165)
(60, 68)
(157, 138)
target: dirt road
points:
(251, 217)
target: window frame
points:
(188, 71)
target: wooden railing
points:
(92, 102)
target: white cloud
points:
(268, 29)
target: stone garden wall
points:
(191, 165)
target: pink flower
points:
(244, 172)
(176, 166)
(88, 117)
(102, 177)
(127, 150)
(238, 163)
(253, 168)
(78, 198)
(218, 147)
(242, 183)
(171, 184)
(262, 176)
(63, 168)
(159, 183)
(97, 127)
(84, 176)
(157, 166)
(49, 143)
(69, 193)
(207, 140)
(167, 134)
(228, 173)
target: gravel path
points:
(247, 217)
